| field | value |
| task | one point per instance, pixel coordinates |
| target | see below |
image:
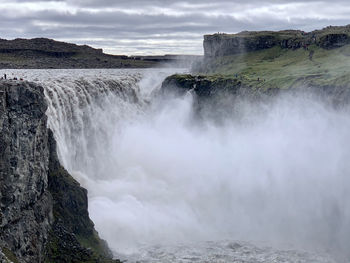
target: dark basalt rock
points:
(214, 96)
(222, 92)
(25, 204)
(43, 210)
(218, 45)
(72, 226)
(334, 40)
(208, 87)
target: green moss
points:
(93, 242)
(8, 253)
(70, 213)
(57, 253)
(72, 237)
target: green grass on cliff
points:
(285, 34)
(285, 68)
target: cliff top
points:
(283, 59)
(220, 44)
(284, 34)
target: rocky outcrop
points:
(334, 40)
(26, 204)
(222, 92)
(218, 45)
(43, 210)
(72, 237)
(210, 86)
(214, 96)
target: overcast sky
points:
(160, 26)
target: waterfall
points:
(84, 115)
(165, 187)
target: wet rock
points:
(72, 226)
(334, 40)
(25, 203)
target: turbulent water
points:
(271, 185)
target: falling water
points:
(166, 187)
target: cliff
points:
(48, 53)
(26, 210)
(257, 63)
(43, 210)
(218, 45)
(220, 89)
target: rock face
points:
(334, 40)
(72, 226)
(219, 92)
(207, 87)
(218, 45)
(43, 210)
(26, 204)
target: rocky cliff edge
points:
(43, 210)
(222, 44)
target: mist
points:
(274, 172)
(281, 176)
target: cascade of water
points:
(84, 116)
(155, 178)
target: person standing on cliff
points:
(5, 76)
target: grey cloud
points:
(120, 31)
(172, 2)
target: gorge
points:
(220, 165)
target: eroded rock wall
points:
(43, 210)
(26, 204)
(220, 44)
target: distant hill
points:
(48, 53)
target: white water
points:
(166, 188)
